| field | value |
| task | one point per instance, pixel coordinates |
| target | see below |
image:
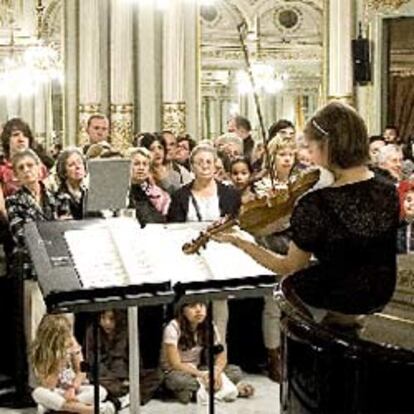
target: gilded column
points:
(340, 81)
(174, 108)
(192, 68)
(89, 64)
(149, 47)
(122, 108)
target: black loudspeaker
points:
(361, 61)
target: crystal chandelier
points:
(38, 65)
(265, 79)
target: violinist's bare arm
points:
(296, 259)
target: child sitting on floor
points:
(185, 338)
(57, 358)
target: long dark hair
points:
(190, 338)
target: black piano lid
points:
(383, 335)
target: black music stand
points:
(63, 292)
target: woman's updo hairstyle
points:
(344, 132)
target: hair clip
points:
(319, 128)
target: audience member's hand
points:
(70, 394)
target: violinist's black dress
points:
(351, 230)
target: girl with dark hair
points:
(185, 339)
(114, 359)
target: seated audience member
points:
(283, 128)
(149, 201)
(32, 202)
(204, 199)
(222, 167)
(376, 142)
(282, 152)
(98, 131)
(114, 359)
(303, 158)
(167, 174)
(71, 171)
(240, 173)
(16, 136)
(185, 340)
(244, 132)
(405, 241)
(390, 163)
(391, 135)
(57, 360)
(185, 144)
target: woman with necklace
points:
(71, 171)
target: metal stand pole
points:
(95, 369)
(210, 356)
(133, 359)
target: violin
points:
(261, 216)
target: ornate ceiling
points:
(286, 34)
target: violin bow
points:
(242, 28)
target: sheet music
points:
(121, 253)
(100, 266)
(218, 261)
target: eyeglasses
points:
(200, 163)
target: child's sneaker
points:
(107, 408)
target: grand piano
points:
(368, 370)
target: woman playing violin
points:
(349, 227)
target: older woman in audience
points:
(390, 160)
(149, 201)
(16, 136)
(32, 202)
(71, 171)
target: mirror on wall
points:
(284, 43)
(399, 33)
(31, 70)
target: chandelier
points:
(24, 73)
(265, 78)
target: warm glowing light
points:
(265, 79)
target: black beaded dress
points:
(351, 231)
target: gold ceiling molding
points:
(393, 4)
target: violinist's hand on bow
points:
(232, 235)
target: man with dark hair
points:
(391, 135)
(243, 131)
(283, 127)
(185, 145)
